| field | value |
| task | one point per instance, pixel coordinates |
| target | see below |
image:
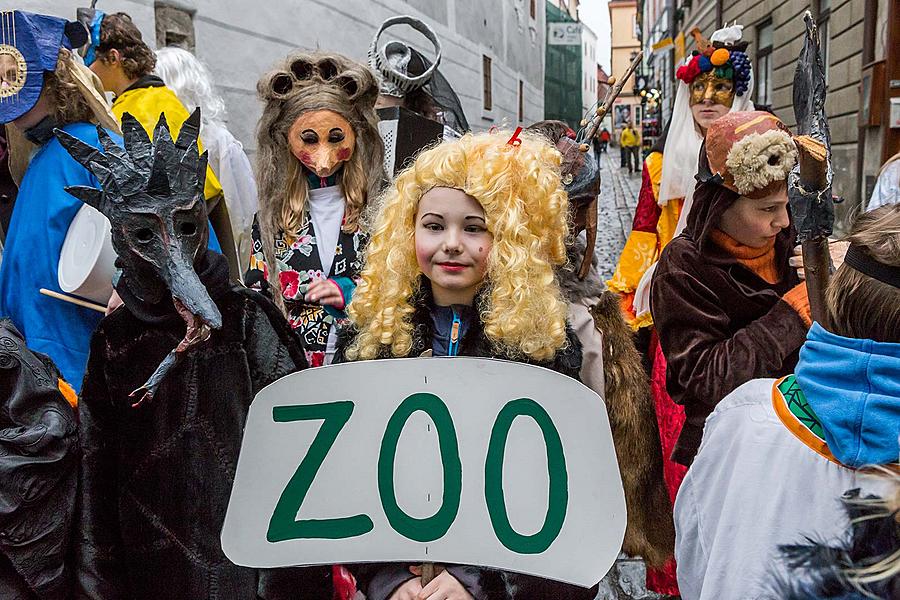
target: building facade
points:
(493, 52)
(656, 18)
(564, 75)
(588, 69)
(625, 46)
(861, 43)
(570, 7)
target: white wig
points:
(192, 82)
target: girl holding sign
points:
(461, 262)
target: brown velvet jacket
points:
(719, 324)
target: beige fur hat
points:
(753, 152)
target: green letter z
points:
(284, 524)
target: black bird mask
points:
(152, 194)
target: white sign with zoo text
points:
(447, 460)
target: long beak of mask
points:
(190, 295)
(196, 308)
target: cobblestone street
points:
(618, 198)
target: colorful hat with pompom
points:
(724, 54)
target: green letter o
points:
(558, 497)
(435, 526)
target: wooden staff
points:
(812, 205)
(73, 300)
(611, 94)
(427, 573)
(816, 256)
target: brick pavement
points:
(618, 199)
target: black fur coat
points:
(155, 480)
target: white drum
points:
(87, 260)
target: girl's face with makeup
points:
(322, 140)
(452, 244)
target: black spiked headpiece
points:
(163, 168)
(152, 194)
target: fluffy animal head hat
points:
(304, 82)
(750, 153)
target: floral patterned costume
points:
(299, 263)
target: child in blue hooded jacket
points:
(777, 455)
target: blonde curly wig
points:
(526, 210)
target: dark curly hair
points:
(118, 31)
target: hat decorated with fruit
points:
(723, 55)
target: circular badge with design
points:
(13, 71)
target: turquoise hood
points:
(853, 385)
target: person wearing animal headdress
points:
(319, 162)
(161, 420)
(611, 365)
(795, 444)
(41, 88)
(726, 303)
(39, 471)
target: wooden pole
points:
(73, 300)
(427, 573)
(817, 267)
(816, 257)
(813, 201)
(594, 124)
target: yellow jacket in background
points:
(628, 138)
(146, 104)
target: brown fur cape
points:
(650, 532)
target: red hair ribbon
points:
(514, 140)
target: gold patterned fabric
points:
(653, 228)
(637, 256)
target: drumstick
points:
(78, 301)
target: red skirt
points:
(670, 418)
